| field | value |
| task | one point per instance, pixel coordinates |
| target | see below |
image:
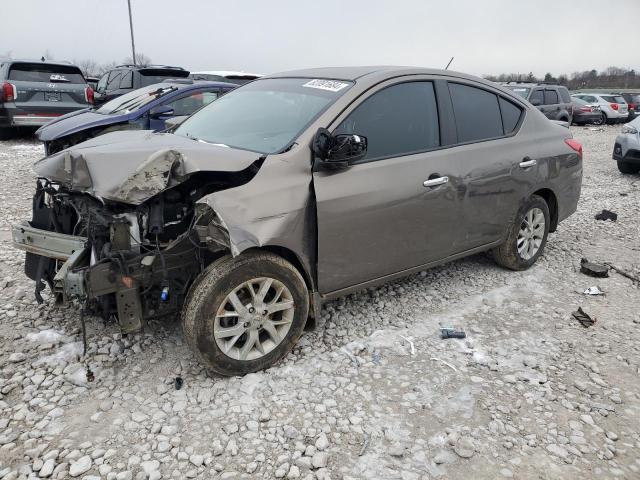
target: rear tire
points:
(626, 167)
(601, 120)
(5, 133)
(246, 313)
(527, 236)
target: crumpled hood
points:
(133, 166)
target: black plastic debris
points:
(607, 215)
(584, 319)
(594, 269)
(452, 332)
(178, 382)
(90, 375)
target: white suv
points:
(614, 107)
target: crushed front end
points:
(123, 261)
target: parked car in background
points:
(633, 102)
(613, 107)
(34, 92)
(126, 78)
(239, 78)
(93, 82)
(147, 108)
(584, 112)
(626, 149)
(553, 101)
(293, 190)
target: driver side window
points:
(398, 120)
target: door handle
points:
(527, 162)
(434, 182)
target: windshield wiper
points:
(188, 135)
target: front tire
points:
(245, 313)
(626, 167)
(527, 236)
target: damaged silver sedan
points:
(293, 190)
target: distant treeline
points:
(612, 77)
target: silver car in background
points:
(626, 150)
(614, 107)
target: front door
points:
(396, 208)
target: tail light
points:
(575, 145)
(88, 95)
(632, 106)
(614, 106)
(586, 109)
(9, 93)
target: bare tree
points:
(89, 68)
(141, 60)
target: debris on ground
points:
(412, 347)
(624, 273)
(452, 332)
(594, 291)
(178, 382)
(607, 215)
(584, 318)
(436, 359)
(594, 269)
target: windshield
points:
(522, 91)
(135, 100)
(264, 116)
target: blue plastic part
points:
(164, 295)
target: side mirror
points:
(339, 151)
(161, 111)
(174, 122)
(536, 102)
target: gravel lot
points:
(371, 393)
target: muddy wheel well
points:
(552, 203)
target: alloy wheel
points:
(254, 318)
(531, 233)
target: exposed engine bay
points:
(137, 261)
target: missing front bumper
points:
(58, 246)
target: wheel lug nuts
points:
(252, 310)
(264, 312)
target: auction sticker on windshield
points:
(330, 85)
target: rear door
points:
(377, 217)
(47, 89)
(537, 99)
(551, 103)
(496, 165)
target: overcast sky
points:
(265, 36)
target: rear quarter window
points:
(38, 72)
(551, 97)
(564, 94)
(511, 114)
(477, 113)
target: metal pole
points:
(133, 45)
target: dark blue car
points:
(147, 108)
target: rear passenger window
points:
(397, 120)
(537, 95)
(476, 112)
(564, 94)
(550, 97)
(127, 80)
(114, 80)
(510, 115)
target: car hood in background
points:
(76, 121)
(133, 166)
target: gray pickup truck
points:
(32, 93)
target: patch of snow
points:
(46, 336)
(64, 355)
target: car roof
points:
(61, 63)
(373, 74)
(227, 73)
(194, 86)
